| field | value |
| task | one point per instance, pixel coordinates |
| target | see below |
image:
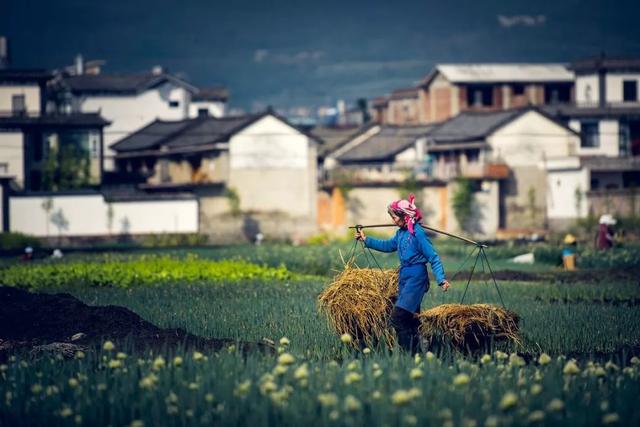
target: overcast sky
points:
(309, 52)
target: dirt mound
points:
(33, 319)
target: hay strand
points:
(469, 325)
(359, 302)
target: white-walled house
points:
(262, 163)
(128, 101)
(209, 101)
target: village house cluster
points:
(86, 153)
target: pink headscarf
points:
(408, 210)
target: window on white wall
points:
(590, 135)
(630, 91)
(18, 104)
(4, 168)
(174, 104)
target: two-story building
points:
(260, 165)
(453, 88)
(604, 175)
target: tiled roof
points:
(74, 119)
(211, 94)
(197, 131)
(390, 141)
(334, 137)
(24, 75)
(498, 73)
(606, 63)
(469, 125)
(119, 83)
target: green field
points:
(595, 322)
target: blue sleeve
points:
(390, 245)
(426, 247)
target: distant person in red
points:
(604, 238)
(28, 254)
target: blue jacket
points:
(414, 252)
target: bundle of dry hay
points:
(359, 302)
(469, 326)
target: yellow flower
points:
(78, 419)
(500, 355)
(611, 365)
(555, 405)
(430, 355)
(508, 401)
(536, 416)
(158, 363)
(492, 421)
(516, 360)
(73, 383)
(177, 361)
(352, 404)
(36, 388)
(611, 418)
(410, 420)
(635, 360)
(486, 358)
(280, 370)
(415, 374)
(209, 397)
(328, 399)
(243, 389)
(461, 379)
(171, 398)
(376, 395)
(352, 377)
(286, 359)
(346, 338)
(193, 386)
(536, 389)
(101, 387)
(66, 412)
(366, 350)
(334, 415)
(197, 356)
(377, 373)
(599, 372)
(544, 359)
(284, 341)
(352, 366)
(108, 345)
(417, 359)
(571, 368)
(147, 382)
(113, 364)
(267, 387)
(121, 355)
(79, 354)
(403, 397)
(302, 372)
(136, 423)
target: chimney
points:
(4, 53)
(79, 65)
(157, 70)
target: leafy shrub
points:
(146, 270)
(12, 241)
(166, 240)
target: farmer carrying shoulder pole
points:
(414, 251)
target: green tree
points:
(463, 202)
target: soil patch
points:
(34, 320)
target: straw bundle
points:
(359, 302)
(469, 326)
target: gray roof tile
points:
(390, 141)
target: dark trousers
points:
(406, 325)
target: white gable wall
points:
(273, 168)
(531, 138)
(587, 90)
(31, 94)
(215, 108)
(129, 113)
(614, 83)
